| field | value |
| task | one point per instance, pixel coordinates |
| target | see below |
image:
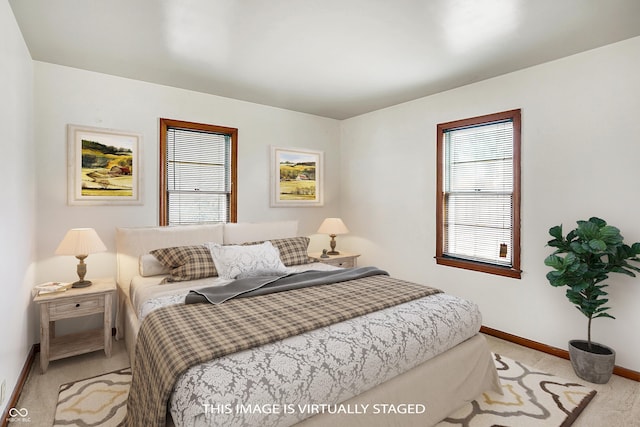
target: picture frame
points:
(297, 177)
(103, 166)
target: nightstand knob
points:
(77, 305)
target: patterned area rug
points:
(97, 401)
(531, 398)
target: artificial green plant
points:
(592, 251)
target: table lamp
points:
(81, 242)
(333, 227)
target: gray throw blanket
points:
(266, 284)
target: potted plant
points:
(591, 251)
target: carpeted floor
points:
(531, 398)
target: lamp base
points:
(332, 243)
(81, 284)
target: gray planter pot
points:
(595, 366)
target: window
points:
(198, 165)
(478, 205)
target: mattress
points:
(287, 381)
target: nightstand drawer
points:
(344, 263)
(344, 259)
(75, 307)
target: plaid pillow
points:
(186, 262)
(293, 250)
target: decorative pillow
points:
(293, 250)
(234, 260)
(150, 266)
(186, 262)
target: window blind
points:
(478, 193)
(198, 169)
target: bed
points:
(411, 363)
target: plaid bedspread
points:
(173, 339)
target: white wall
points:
(580, 154)
(17, 227)
(67, 95)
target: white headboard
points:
(236, 233)
(136, 241)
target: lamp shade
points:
(333, 226)
(80, 241)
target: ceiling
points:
(333, 58)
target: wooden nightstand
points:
(345, 259)
(75, 302)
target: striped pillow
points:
(293, 250)
(186, 262)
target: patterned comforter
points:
(276, 384)
(285, 381)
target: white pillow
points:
(150, 266)
(233, 260)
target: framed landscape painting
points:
(103, 166)
(296, 177)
